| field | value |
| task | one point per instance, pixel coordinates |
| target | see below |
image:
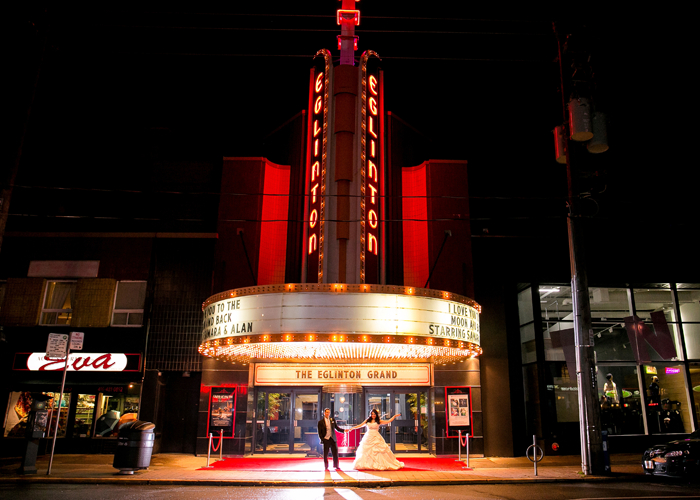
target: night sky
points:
(145, 98)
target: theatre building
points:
(355, 290)
(343, 270)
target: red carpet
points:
(316, 464)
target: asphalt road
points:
(541, 491)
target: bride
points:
(373, 453)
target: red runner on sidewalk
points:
(316, 464)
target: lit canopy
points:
(332, 322)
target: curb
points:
(351, 483)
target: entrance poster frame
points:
(462, 391)
(225, 394)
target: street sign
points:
(57, 344)
(76, 341)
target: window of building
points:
(689, 306)
(59, 299)
(655, 307)
(694, 369)
(667, 399)
(115, 406)
(527, 326)
(620, 399)
(128, 303)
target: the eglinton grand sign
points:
(346, 313)
(340, 374)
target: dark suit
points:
(329, 443)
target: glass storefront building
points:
(647, 358)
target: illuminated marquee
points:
(372, 168)
(316, 173)
(340, 321)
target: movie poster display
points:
(458, 402)
(222, 410)
(459, 409)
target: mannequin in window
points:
(654, 390)
(610, 390)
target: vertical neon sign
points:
(372, 121)
(316, 172)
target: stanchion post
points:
(467, 449)
(209, 449)
(459, 446)
(221, 445)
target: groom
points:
(326, 432)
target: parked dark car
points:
(675, 459)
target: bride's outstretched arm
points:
(392, 418)
(361, 424)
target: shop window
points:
(54, 413)
(620, 400)
(695, 385)
(128, 303)
(59, 299)
(84, 415)
(655, 307)
(525, 306)
(609, 304)
(527, 343)
(527, 327)
(667, 401)
(689, 306)
(556, 303)
(691, 333)
(562, 386)
(19, 406)
(115, 405)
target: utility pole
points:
(592, 456)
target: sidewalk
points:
(178, 469)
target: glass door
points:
(273, 414)
(381, 401)
(409, 432)
(286, 420)
(306, 415)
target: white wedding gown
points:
(373, 453)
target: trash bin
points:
(134, 446)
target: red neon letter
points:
(103, 361)
(372, 247)
(318, 105)
(373, 84)
(372, 217)
(373, 154)
(373, 105)
(313, 193)
(319, 82)
(371, 127)
(317, 129)
(316, 147)
(312, 244)
(315, 170)
(313, 218)
(373, 191)
(77, 367)
(372, 170)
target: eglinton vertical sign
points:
(372, 168)
(316, 171)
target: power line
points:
(291, 195)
